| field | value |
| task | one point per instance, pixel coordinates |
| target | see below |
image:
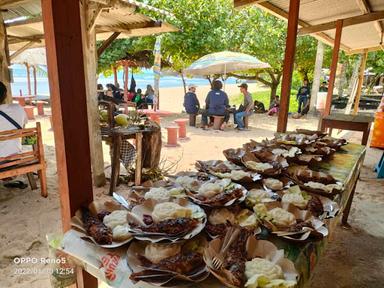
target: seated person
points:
(191, 103)
(100, 92)
(259, 107)
(274, 108)
(246, 108)
(323, 87)
(12, 116)
(114, 92)
(149, 95)
(131, 95)
(217, 104)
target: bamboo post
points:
(126, 72)
(290, 48)
(360, 82)
(4, 70)
(34, 80)
(116, 82)
(335, 58)
(28, 79)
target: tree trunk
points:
(152, 148)
(184, 83)
(353, 85)
(317, 75)
(4, 71)
(341, 82)
(273, 92)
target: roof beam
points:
(243, 3)
(12, 3)
(128, 27)
(17, 39)
(280, 13)
(25, 21)
(106, 43)
(362, 50)
(21, 50)
(346, 22)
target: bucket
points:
(378, 131)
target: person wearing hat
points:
(191, 103)
(245, 109)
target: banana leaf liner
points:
(252, 248)
(97, 210)
(140, 213)
(232, 194)
(252, 163)
(305, 226)
(158, 274)
(226, 169)
(235, 155)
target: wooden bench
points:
(25, 162)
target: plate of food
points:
(226, 169)
(217, 193)
(166, 221)
(287, 221)
(220, 219)
(318, 206)
(165, 263)
(260, 195)
(235, 155)
(248, 262)
(105, 225)
(276, 184)
(253, 163)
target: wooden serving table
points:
(344, 165)
(348, 122)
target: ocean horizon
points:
(145, 77)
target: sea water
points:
(143, 78)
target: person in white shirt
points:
(15, 112)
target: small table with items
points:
(23, 99)
(348, 122)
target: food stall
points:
(274, 204)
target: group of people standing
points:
(116, 95)
(217, 104)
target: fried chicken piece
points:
(180, 263)
(315, 206)
(96, 229)
(171, 227)
(221, 198)
(216, 230)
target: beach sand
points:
(356, 255)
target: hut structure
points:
(355, 26)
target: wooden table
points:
(344, 165)
(348, 122)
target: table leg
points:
(347, 209)
(86, 280)
(364, 140)
(139, 158)
(115, 165)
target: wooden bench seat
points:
(25, 162)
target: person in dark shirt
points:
(323, 87)
(217, 104)
(191, 103)
(100, 92)
(303, 96)
(112, 89)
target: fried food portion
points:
(171, 227)
(96, 229)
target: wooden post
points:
(126, 71)
(335, 58)
(34, 80)
(28, 79)
(360, 82)
(63, 40)
(116, 82)
(90, 67)
(4, 70)
(290, 48)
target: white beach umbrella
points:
(224, 62)
(33, 56)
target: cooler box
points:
(378, 131)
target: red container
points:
(378, 131)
